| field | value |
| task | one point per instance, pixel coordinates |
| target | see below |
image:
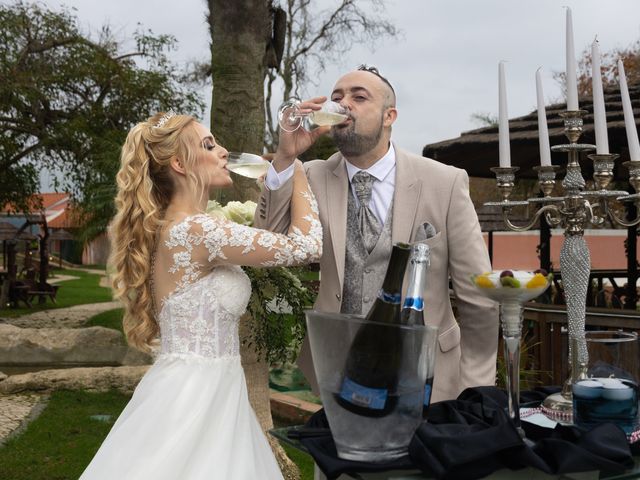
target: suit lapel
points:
(405, 199)
(337, 187)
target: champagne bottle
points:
(413, 307)
(371, 370)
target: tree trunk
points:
(240, 32)
(257, 373)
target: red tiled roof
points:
(57, 208)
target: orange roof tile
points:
(57, 208)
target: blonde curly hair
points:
(145, 189)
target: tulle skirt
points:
(189, 419)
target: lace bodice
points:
(204, 291)
(202, 318)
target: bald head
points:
(374, 85)
(391, 93)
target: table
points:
(504, 474)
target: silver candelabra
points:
(573, 211)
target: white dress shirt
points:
(384, 172)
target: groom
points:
(371, 194)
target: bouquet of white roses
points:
(239, 212)
(278, 297)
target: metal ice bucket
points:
(360, 437)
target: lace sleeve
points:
(202, 240)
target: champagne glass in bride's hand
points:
(247, 164)
(291, 116)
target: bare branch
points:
(27, 151)
(128, 55)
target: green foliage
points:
(67, 101)
(277, 304)
(60, 443)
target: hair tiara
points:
(164, 119)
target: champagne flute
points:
(247, 164)
(291, 117)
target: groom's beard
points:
(352, 144)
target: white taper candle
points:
(543, 132)
(599, 113)
(629, 121)
(572, 85)
(503, 119)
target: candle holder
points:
(573, 211)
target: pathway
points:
(18, 409)
(70, 317)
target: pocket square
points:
(425, 232)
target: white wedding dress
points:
(190, 417)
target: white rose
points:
(215, 209)
(240, 212)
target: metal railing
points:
(545, 336)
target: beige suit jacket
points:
(425, 191)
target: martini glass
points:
(511, 288)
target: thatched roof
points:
(477, 150)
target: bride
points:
(177, 272)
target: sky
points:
(443, 65)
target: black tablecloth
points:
(472, 436)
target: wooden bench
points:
(18, 292)
(50, 292)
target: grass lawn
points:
(60, 443)
(82, 290)
(302, 460)
(95, 267)
(109, 319)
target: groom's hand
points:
(293, 144)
